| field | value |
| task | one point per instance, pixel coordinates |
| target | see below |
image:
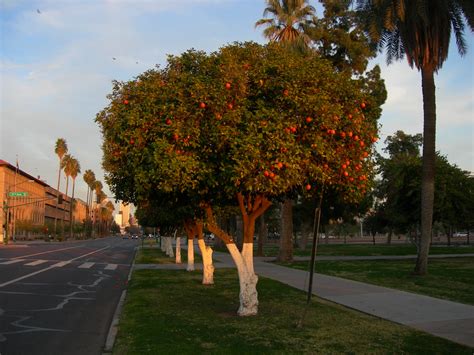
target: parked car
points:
(460, 234)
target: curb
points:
(113, 330)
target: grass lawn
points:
(156, 256)
(450, 278)
(369, 250)
(171, 312)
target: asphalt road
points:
(60, 298)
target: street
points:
(60, 298)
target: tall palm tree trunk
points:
(57, 189)
(71, 207)
(428, 174)
(64, 213)
(87, 201)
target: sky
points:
(57, 65)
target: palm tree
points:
(89, 179)
(75, 170)
(60, 149)
(287, 21)
(286, 26)
(99, 198)
(110, 208)
(420, 30)
(66, 166)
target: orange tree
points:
(248, 124)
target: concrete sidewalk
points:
(445, 319)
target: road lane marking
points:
(49, 268)
(46, 252)
(12, 261)
(111, 267)
(61, 263)
(86, 265)
(37, 262)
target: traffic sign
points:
(18, 194)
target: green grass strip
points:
(171, 312)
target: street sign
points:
(18, 194)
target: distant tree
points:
(75, 169)
(399, 191)
(89, 179)
(286, 22)
(60, 149)
(67, 166)
(339, 37)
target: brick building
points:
(30, 203)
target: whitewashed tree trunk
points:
(178, 250)
(247, 278)
(208, 268)
(163, 244)
(190, 266)
(169, 247)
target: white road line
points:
(46, 252)
(61, 264)
(37, 262)
(49, 268)
(111, 267)
(13, 261)
(86, 265)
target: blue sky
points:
(56, 69)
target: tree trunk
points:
(70, 209)
(56, 210)
(163, 244)
(251, 208)
(64, 213)
(286, 236)
(450, 234)
(190, 266)
(428, 172)
(247, 279)
(191, 233)
(207, 266)
(305, 234)
(169, 247)
(389, 237)
(178, 250)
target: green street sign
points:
(18, 194)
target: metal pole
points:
(317, 222)
(7, 222)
